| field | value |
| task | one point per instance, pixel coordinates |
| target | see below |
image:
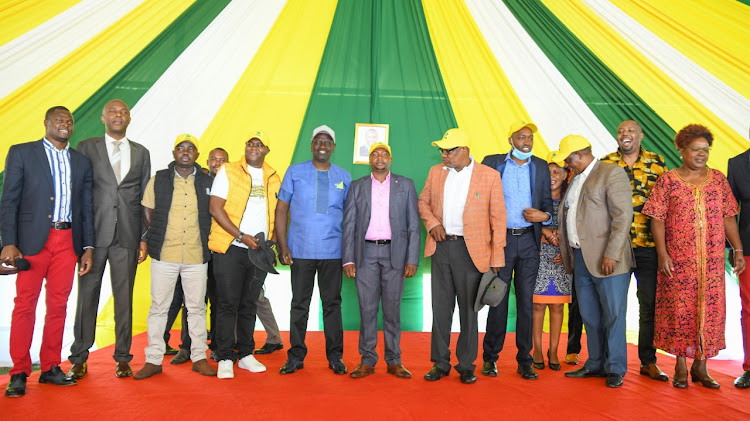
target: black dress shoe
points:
(614, 380)
(743, 382)
(489, 369)
(527, 372)
(17, 386)
(337, 366)
(468, 377)
(706, 382)
(583, 373)
(56, 376)
(171, 351)
(290, 366)
(268, 348)
(435, 374)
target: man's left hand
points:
(535, 215)
(410, 270)
(608, 266)
(496, 269)
(87, 261)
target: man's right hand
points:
(9, 255)
(143, 252)
(250, 241)
(286, 256)
(350, 270)
(438, 233)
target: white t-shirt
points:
(255, 218)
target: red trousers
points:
(56, 262)
(745, 318)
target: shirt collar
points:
(195, 170)
(387, 178)
(47, 144)
(509, 157)
(589, 168)
(470, 167)
(110, 139)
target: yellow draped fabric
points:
(21, 16)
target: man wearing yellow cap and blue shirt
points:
(594, 234)
(463, 210)
(528, 205)
(175, 210)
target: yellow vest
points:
(240, 183)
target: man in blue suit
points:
(47, 218)
(528, 204)
(380, 249)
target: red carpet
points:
(316, 393)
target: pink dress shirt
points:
(380, 224)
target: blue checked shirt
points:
(59, 163)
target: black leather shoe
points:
(337, 366)
(56, 376)
(527, 372)
(290, 366)
(614, 380)
(171, 351)
(435, 374)
(583, 373)
(743, 382)
(268, 348)
(17, 386)
(468, 377)
(489, 369)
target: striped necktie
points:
(116, 159)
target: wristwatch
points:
(239, 237)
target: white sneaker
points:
(226, 369)
(250, 364)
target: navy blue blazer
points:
(738, 174)
(541, 193)
(28, 199)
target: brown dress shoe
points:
(202, 367)
(652, 370)
(78, 371)
(147, 371)
(362, 370)
(571, 359)
(123, 369)
(399, 371)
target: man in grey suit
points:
(594, 238)
(122, 169)
(380, 249)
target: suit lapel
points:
(134, 155)
(41, 156)
(101, 149)
(367, 191)
(473, 184)
(593, 174)
(532, 178)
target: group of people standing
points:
(215, 234)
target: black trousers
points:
(238, 284)
(522, 264)
(329, 283)
(647, 265)
(575, 324)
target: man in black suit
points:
(47, 218)
(738, 175)
(528, 204)
(380, 249)
(122, 169)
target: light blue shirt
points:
(59, 163)
(517, 191)
(316, 207)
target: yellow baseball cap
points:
(552, 157)
(378, 145)
(520, 124)
(186, 137)
(453, 138)
(569, 144)
(263, 137)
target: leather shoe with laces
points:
(653, 371)
(56, 376)
(527, 372)
(203, 368)
(362, 370)
(614, 380)
(123, 369)
(147, 371)
(268, 348)
(468, 377)
(435, 374)
(337, 366)
(78, 371)
(290, 366)
(182, 357)
(399, 371)
(743, 382)
(17, 386)
(489, 368)
(583, 373)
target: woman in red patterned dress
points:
(692, 210)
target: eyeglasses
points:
(447, 151)
(705, 150)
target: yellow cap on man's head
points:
(186, 137)
(453, 138)
(569, 144)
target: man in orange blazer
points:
(467, 237)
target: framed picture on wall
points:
(365, 135)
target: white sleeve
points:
(220, 188)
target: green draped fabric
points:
(379, 67)
(608, 97)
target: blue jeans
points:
(603, 303)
